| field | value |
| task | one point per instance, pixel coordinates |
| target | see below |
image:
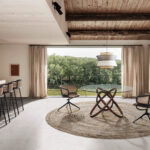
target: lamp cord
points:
(107, 29)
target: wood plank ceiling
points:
(108, 19)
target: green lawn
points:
(56, 92)
(80, 92)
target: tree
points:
(80, 71)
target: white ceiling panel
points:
(29, 22)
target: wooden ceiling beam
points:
(109, 32)
(107, 16)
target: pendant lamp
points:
(106, 60)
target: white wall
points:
(15, 54)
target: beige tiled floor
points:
(29, 131)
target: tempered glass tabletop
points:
(92, 88)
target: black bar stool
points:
(2, 109)
(18, 86)
(12, 102)
(5, 87)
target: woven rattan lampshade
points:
(106, 60)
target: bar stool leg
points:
(12, 100)
(0, 112)
(5, 99)
(3, 111)
(21, 99)
(15, 98)
(9, 104)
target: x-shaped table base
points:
(106, 105)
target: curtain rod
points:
(85, 45)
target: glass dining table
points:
(106, 91)
(93, 87)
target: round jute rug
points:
(104, 126)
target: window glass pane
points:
(78, 66)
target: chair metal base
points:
(68, 103)
(145, 114)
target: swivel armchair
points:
(143, 103)
(69, 92)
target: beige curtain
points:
(133, 70)
(38, 66)
(148, 69)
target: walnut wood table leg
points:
(106, 105)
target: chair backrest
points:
(1, 90)
(143, 100)
(19, 83)
(67, 89)
(14, 84)
(10, 86)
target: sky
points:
(83, 52)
